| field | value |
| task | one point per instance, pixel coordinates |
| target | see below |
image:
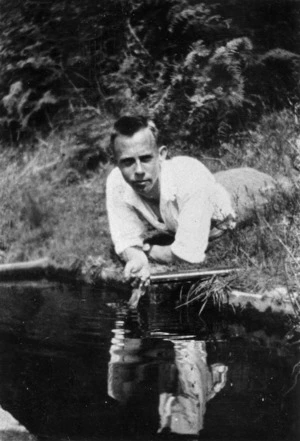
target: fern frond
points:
(279, 54)
(223, 129)
(234, 50)
(186, 15)
(238, 45)
(198, 50)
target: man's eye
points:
(146, 158)
(127, 162)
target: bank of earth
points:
(52, 198)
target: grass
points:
(53, 208)
(263, 247)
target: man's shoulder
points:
(186, 164)
(115, 184)
(187, 175)
(114, 177)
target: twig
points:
(133, 34)
(296, 375)
(88, 107)
(293, 300)
(249, 258)
(100, 91)
(164, 96)
(280, 241)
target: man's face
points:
(139, 160)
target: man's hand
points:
(137, 270)
(137, 267)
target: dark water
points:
(76, 364)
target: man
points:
(178, 196)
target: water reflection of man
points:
(182, 379)
(134, 366)
(179, 195)
(183, 411)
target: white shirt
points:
(190, 198)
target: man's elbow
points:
(164, 254)
(189, 258)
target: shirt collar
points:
(167, 187)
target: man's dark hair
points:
(129, 125)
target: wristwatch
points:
(147, 248)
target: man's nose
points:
(139, 168)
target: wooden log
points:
(46, 268)
(277, 301)
(33, 268)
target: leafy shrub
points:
(50, 53)
(197, 73)
(202, 66)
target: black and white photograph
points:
(149, 220)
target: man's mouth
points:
(141, 184)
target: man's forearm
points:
(158, 253)
(132, 253)
(162, 254)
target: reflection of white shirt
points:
(197, 383)
(190, 199)
(184, 411)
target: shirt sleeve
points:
(126, 227)
(196, 205)
(194, 221)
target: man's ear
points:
(163, 152)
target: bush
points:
(193, 68)
(51, 54)
(202, 66)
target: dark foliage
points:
(52, 54)
(202, 69)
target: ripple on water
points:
(77, 364)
